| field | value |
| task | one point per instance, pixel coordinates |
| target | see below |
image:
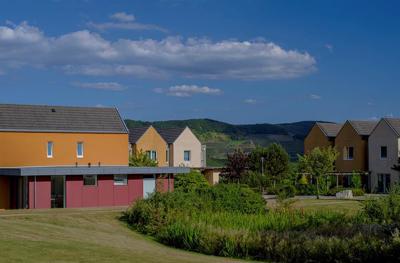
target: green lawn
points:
(75, 235)
(347, 206)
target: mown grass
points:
(74, 235)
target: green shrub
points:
(357, 192)
(192, 181)
(286, 191)
(384, 210)
(308, 189)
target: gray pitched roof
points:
(136, 133)
(330, 129)
(60, 119)
(170, 134)
(394, 123)
(363, 128)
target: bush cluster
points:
(231, 220)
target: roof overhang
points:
(102, 170)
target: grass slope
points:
(75, 235)
(221, 137)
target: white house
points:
(384, 152)
(184, 148)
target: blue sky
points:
(235, 61)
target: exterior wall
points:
(151, 140)
(4, 192)
(212, 176)
(162, 183)
(20, 149)
(316, 138)
(187, 141)
(348, 137)
(383, 135)
(104, 194)
(39, 192)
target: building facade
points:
(150, 142)
(53, 156)
(184, 148)
(384, 153)
(321, 135)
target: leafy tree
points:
(257, 158)
(318, 163)
(276, 162)
(190, 182)
(236, 165)
(141, 159)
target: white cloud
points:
(124, 21)
(329, 47)
(250, 101)
(112, 86)
(315, 97)
(123, 17)
(188, 90)
(87, 53)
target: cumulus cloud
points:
(315, 97)
(111, 86)
(124, 21)
(188, 90)
(87, 53)
(250, 101)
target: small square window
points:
(120, 179)
(79, 149)
(90, 180)
(384, 152)
(186, 156)
(49, 149)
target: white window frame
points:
(383, 158)
(190, 155)
(51, 149)
(77, 149)
(150, 154)
(167, 155)
(122, 182)
(90, 185)
(346, 156)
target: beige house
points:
(184, 148)
(384, 152)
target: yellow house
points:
(321, 135)
(352, 144)
(149, 141)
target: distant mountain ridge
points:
(221, 137)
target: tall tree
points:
(276, 161)
(319, 162)
(236, 165)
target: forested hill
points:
(221, 137)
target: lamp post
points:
(262, 166)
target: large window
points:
(90, 180)
(49, 149)
(120, 179)
(348, 153)
(79, 149)
(186, 156)
(384, 152)
(152, 155)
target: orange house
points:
(54, 156)
(321, 135)
(352, 144)
(149, 141)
